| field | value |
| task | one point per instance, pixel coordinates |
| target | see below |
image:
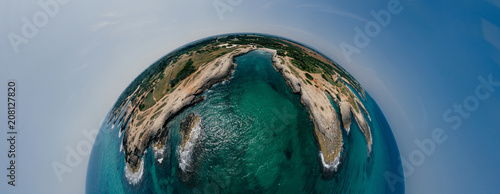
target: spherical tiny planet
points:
(245, 113)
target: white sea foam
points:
(120, 133)
(330, 166)
(335, 164)
(158, 152)
(185, 156)
(134, 178)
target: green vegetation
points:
(336, 95)
(280, 52)
(294, 71)
(304, 61)
(309, 76)
(140, 122)
(186, 71)
(147, 102)
(309, 82)
(324, 77)
(351, 100)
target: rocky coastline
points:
(315, 95)
(139, 136)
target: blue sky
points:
(426, 59)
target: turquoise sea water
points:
(256, 137)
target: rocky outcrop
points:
(189, 147)
(279, 65)
(363, 124)
(187, 126)
(350, 107)
(345, 112)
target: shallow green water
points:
(255, 137)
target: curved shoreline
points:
(186, 94)
(314, 97)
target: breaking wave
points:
(185, 156)
(134, 178)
